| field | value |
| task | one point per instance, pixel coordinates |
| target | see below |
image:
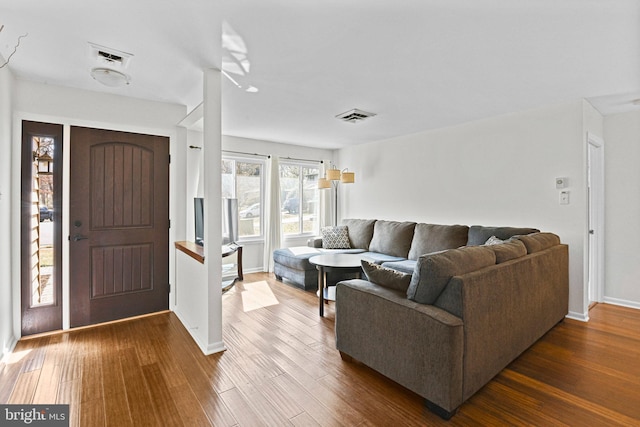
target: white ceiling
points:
(417, 64)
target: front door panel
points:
(119, 242)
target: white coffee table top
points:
(337, 260)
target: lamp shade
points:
(333, 174)
(348, 177)
(324, 183)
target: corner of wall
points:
(7, 298)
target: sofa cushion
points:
(433, 271)
(406, 266)
(539, 241)
(296, 257)
(392, 238)
(509, 250)
(335, 237)
(360, 232)
(386, 277)
(379, 258)
(429, 238)
(478, 234)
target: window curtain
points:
(272, 223)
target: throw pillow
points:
(387, 277)
(493, 240)
(335, 237)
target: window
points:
(242, 179)
(300, 198)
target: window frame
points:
(301, 164)
(263, 167)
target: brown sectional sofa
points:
(466, 314)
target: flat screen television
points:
(229, 220)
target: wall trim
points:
(621, 302)
(582, 317)
(212, 348)
(9, 348)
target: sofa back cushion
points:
(360, 232)
(509, 250)
(539, 241)
(478, 234)
(429, 238)
(392, 238)
(433, 271)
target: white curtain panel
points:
(272, 221)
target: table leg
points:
(321, 285)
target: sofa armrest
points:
(315, 242)
(418, 346)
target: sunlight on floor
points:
(257, 295)
(15, 357)
(304, 250)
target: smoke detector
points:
(108, 57)
(354, 116)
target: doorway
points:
(595, 191)
(41, 229)
(119, 225)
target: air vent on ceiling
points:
(354, 116)
(109, 57)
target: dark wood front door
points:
(119, 225)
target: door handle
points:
(79, 237)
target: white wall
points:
(622, 214)
(75, 107)
(7, 333)
(499, 171)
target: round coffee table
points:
(345, 263)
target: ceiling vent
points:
(354, 116)
(106, 56)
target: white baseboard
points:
(582, 317)
(8, 349)
(215, 347)
(621, 302)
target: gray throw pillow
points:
(387, 277)
(335, 237)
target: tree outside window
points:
(300, 198)
(242, 179)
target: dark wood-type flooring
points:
(281, 368)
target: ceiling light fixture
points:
(108, 77)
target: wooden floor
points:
(281, 368)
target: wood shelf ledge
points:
(190, 248)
